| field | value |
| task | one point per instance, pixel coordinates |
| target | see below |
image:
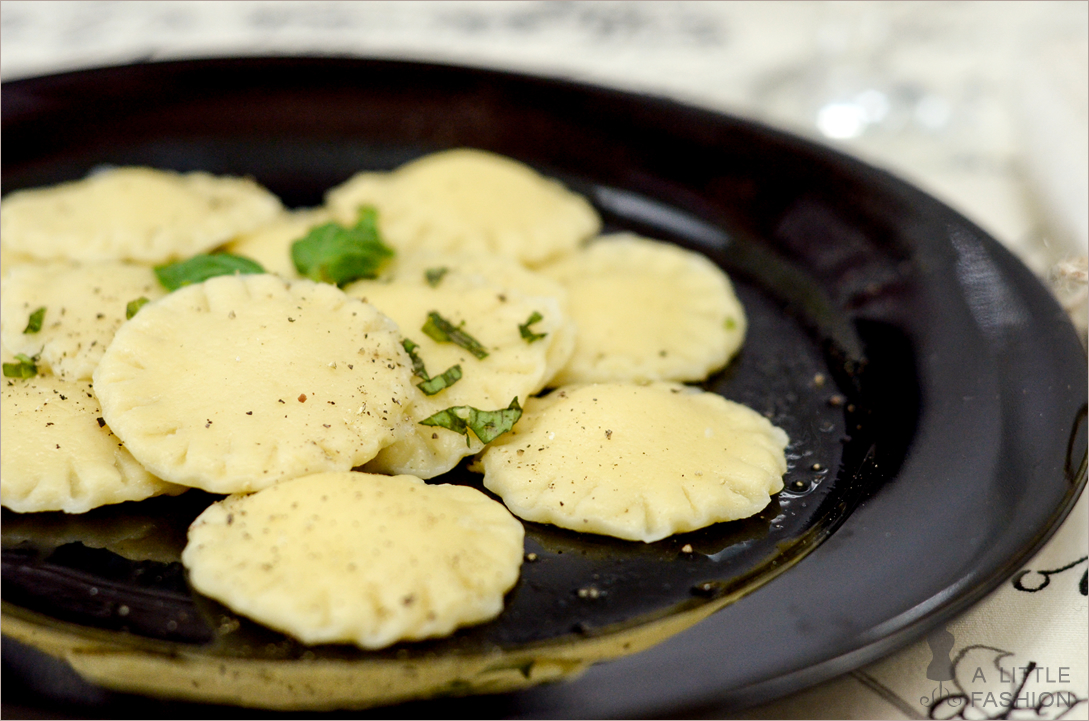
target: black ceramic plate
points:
(934, 393)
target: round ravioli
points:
(507, 366)
(137, 532)
(133, 213)
(239, 382)
(474, 201)
(270, 245)
(434, 268)
(646, 311)
(78, 308)
(638, 462)
(59, 454)
(357, 558)
(10, 259)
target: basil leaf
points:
(529, 335)
(434, 275)
(486, 425)
(332, 253)
(441, 330)
(200, 268)
(489, 425)
(431, 386)
(133, 307)
(418, 368)
(27, 367)
(34, 322)
(450, 420)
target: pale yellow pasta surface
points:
(639, 462)
(133, 213)
(357, 558)
(239, 382)
(84, 305)
(470, 201)
(58, 453)
(270, 244)
(513, 367)
(647, 310)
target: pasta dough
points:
(359, 558)
(513, 368)
(58, 453)
(507, 272)
(470, 201)
(512, 276)
(647, 310)
(239, 382)
(140, 214)
(10, 259)
(636, 462)
(270, 245)
(84, 306)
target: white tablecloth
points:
(983, 104)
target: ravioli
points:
(638, 462)
(133, 213)
(239, 382)
(514, 367)
(434, 268)
(470, 201)
(647, 311)
(357, 558)
(270, 244)
(10, 259)
(84, 305)
(59, 455)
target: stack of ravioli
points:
(503, 327)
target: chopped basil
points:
(27, 367)
(441, 330)
(529, 335)
(487, 425)
(333, 253)
(434, 275)
(134, 307)
(431, 386)
(450, 420)
(417, 362)
(34, 322)
(200, 268)
(730, 323)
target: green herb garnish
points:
(434, 275)
(134, 307)
(333, 253)
(441, 330)
(27, 367)
(417, 362)
(529, 335)
(486, 425)
(430, 386)
(34, 322)
(200, 268)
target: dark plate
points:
(958, 448)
